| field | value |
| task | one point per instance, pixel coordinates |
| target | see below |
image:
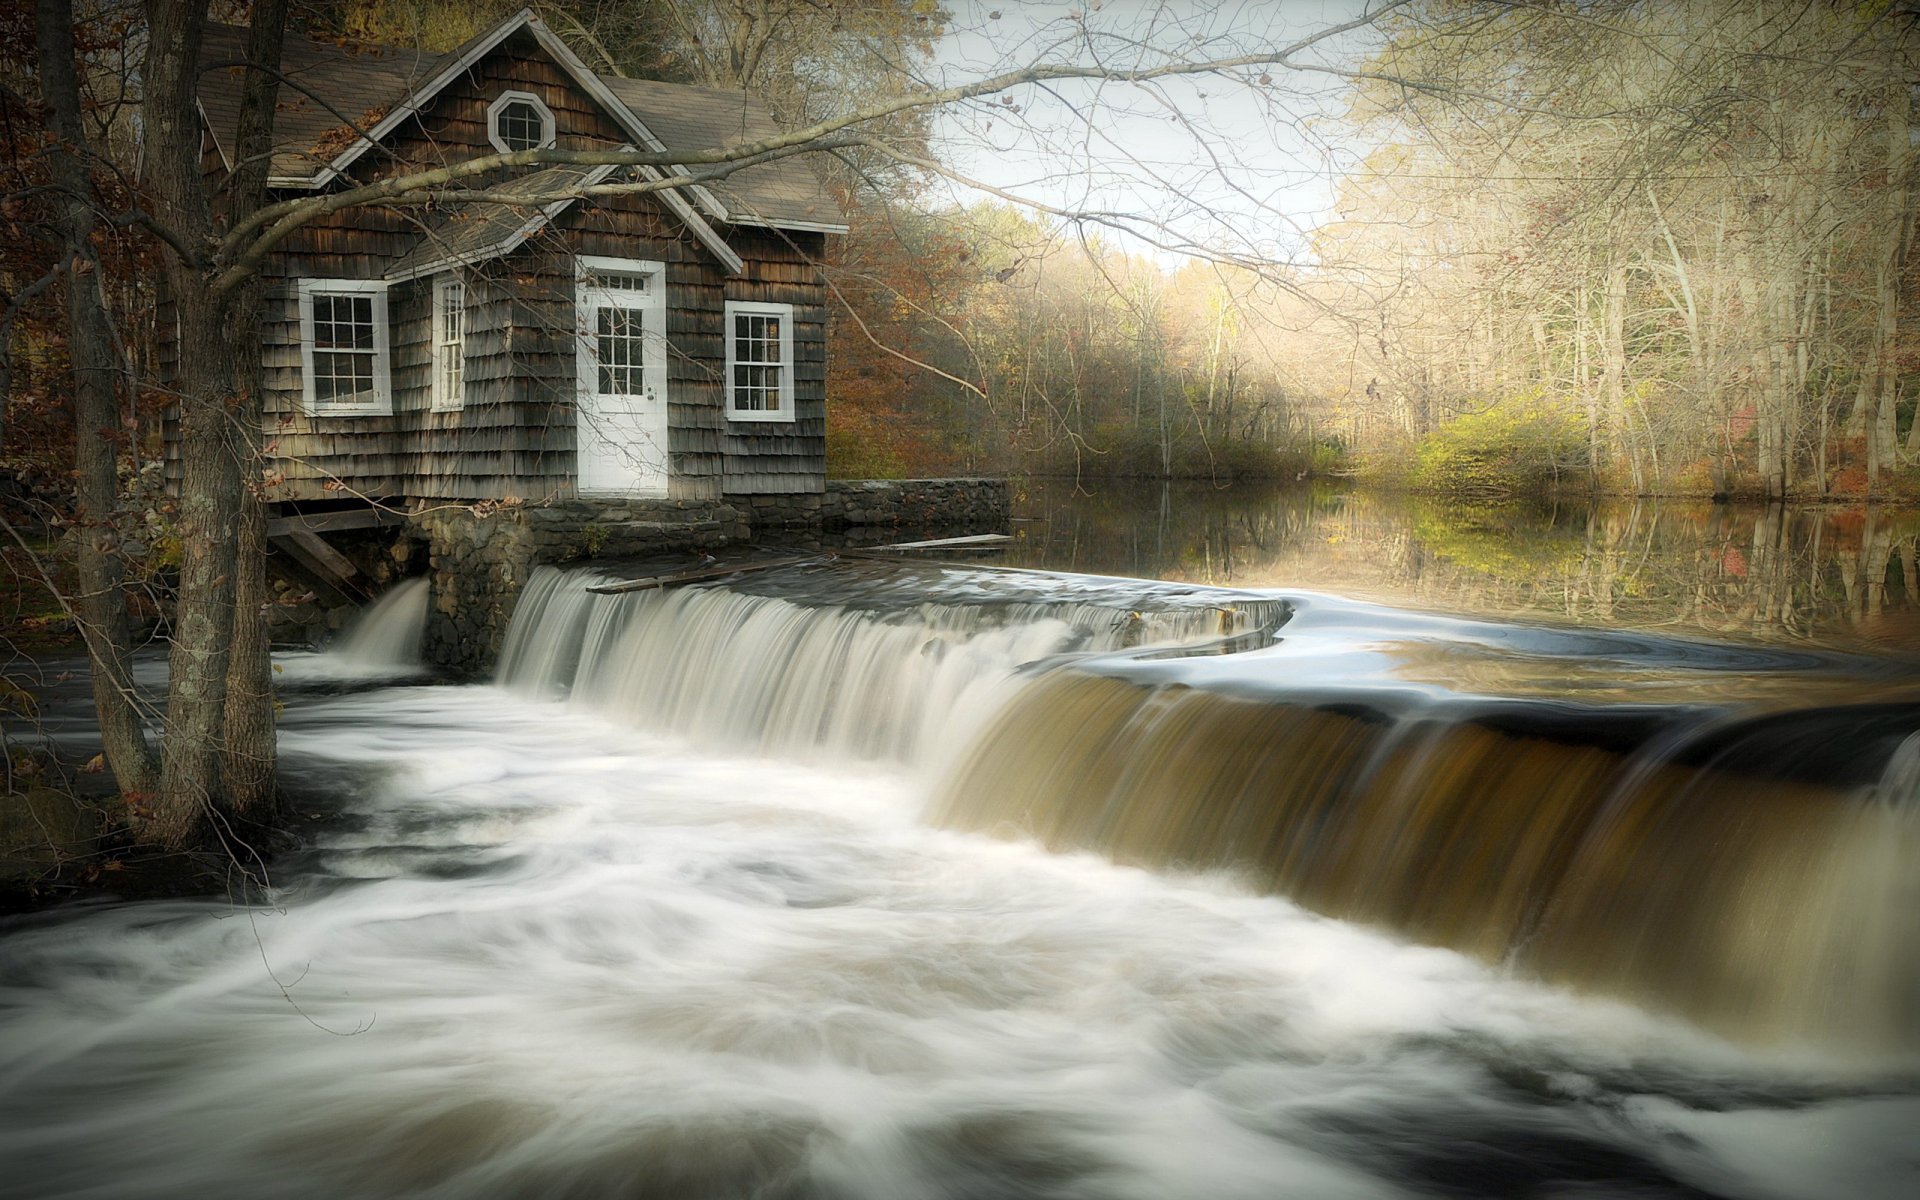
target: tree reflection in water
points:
(1842, 576)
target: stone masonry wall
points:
(918, 505)
(481, 559)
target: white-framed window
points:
(519, 121)
(449, 342)
(759, 361)
(344, 368)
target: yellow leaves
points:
(94, 765)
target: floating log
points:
(975, 539)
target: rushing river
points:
(854, 882)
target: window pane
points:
(453, 301)
(618, 332)
(620, 281)
(519, 126)
(342, 376)
(760, 373)
(342, 322)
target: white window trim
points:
(441, 402)
(785, 414)
(306, 290)
(506, 98)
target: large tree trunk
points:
(194, 759)
(100, 602)
(193, 769)
(219, 427)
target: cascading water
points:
(386, 638)
(1667, 853)
(830, 680)
(631, 924)
(1763, 906)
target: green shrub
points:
(1521, 446)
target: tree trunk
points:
(193, 770)
(100, 602)
(1614, 347)
(192, 767)
(219, 426)
(1883, 429)
(250, 749)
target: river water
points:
(858, 881)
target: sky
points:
(1232, 164)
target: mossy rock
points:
(42, 828)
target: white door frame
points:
(633, 425)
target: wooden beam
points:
(311, 551)
(333, 522)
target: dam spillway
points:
(1730, 832)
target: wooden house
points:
(669, 344)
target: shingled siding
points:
(774, 457)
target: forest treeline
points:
(1665, 243)
(1628, 247)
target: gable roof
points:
(380, 87)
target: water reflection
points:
(1835, 576)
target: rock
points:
(42, 828)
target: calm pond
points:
(1351, 847)
(1841, 576)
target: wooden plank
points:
(312, 552)
(352, 518)
(719, 572)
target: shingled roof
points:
(476, 232)
(334, 86)
(784, 193)
(371, 86)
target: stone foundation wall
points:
(800, 511)
(481, 559)
(574, 529)
(479, 562)
(953, 506)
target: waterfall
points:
(768, 674)
(1671, 872)
(1751, 866)
(385, 638)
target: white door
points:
(621, 418)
